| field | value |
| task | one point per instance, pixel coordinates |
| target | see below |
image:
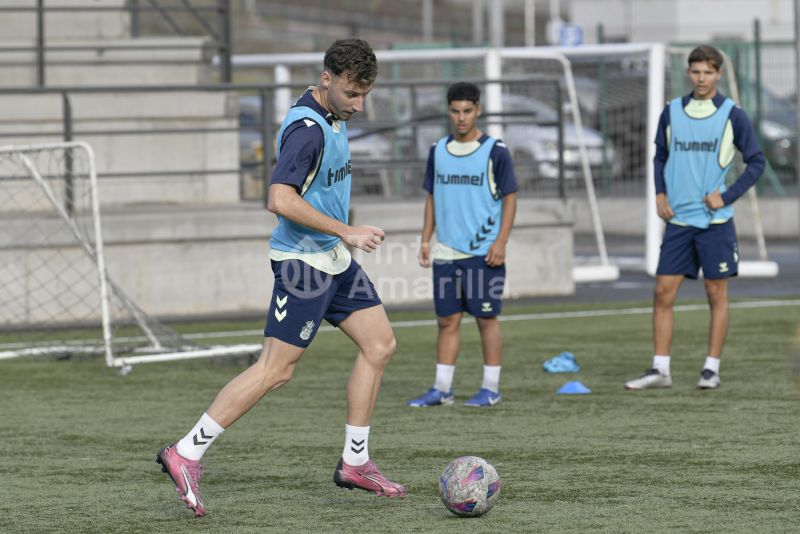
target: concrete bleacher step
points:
(197, 165)
(148, 61)
(109, 20)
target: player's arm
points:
(286, 202)
(663, 208)
(497, 252)
(506, 183)
(301, 150)
(746, 141)
(429, 217)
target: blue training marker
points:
(573, 388)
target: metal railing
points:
(388, 151)
(213, 17)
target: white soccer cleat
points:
(708, 380)
(651, 379)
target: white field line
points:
(533, 316)
(432, 322)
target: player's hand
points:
(424, 256)
(496, 255)
(663, 208)
(714, 200)
(366, 238)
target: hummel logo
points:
(279, 315)
(202, 435)
(281, 301)
(486, 306)
(357, 444)
(723, 267)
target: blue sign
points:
(571, 35)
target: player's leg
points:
(717, 293)
(358, 312)
(678, 260)
(447, 282)
(718, 254)
(273, 369)
(664, 295)
(483, 292)
(300, 293)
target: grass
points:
(78, 442)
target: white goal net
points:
(56, 297)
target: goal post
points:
(56, 295)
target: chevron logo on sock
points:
(203, 436)
(357, 444)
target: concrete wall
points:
(104, 62)
(213, 260)
(780, 217)
(65, 25)
(682, 20)
(209, 158)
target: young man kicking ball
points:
(315, 279)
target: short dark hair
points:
(354, 58)
(706, 53)
(464, 91)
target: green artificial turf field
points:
(79, 442)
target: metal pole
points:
(530, 22)
(497, 36)
(69, 191)
(135, 31)
(478, 10)
(562, 191)
(655, 103)
(757, 53)
(797, 87)
(224, 46)
(427, 20)
(602, 115)
(267, 154)
(40, 80)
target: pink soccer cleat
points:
(185, 474)
(367, 477)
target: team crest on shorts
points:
(305, 333)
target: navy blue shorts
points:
(303, 296)
(468, 285)
(685, 249)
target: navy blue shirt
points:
(301, 146)
(502, 167)
(744, 138)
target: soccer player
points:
(471, 202)
(695, 145)
(315, 279)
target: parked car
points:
(531, 135)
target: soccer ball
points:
(469, 486)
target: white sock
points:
(356, 439)
(491, 378)
(712, 363)
(444, 377)
(194, 445)
(661, 363)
